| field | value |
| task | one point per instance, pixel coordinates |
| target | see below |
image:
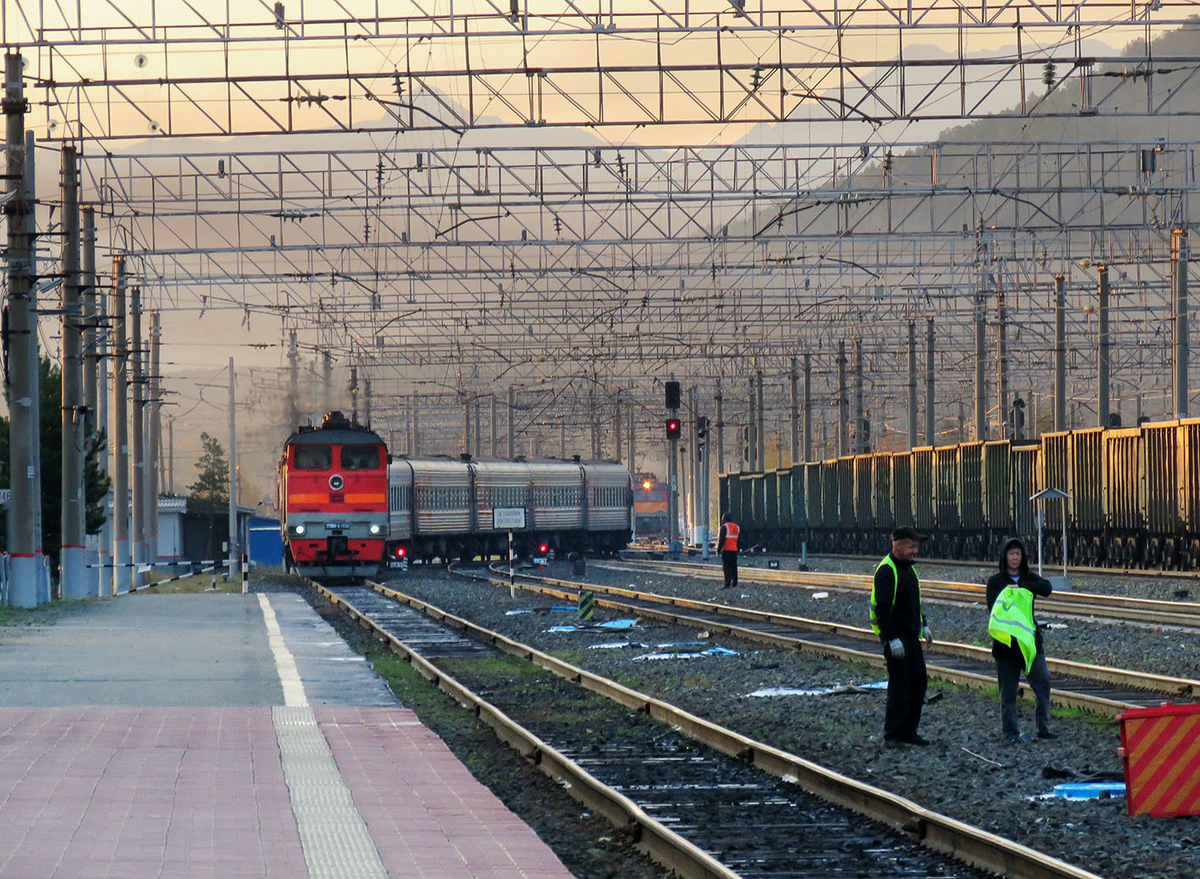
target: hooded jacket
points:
(1026, 579)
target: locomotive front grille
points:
(338, 547)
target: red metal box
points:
(1161, 750)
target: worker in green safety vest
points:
(899, 621)
(1017, 640)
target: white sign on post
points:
(508, 517)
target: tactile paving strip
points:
(333, 834)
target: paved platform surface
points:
(229, 735)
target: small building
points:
(266, 542)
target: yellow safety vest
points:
(1012, 617)
(887, 560)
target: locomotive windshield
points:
(360, 457)
(313, 458)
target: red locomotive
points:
(333, 488)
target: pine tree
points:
(210, 491)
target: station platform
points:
(229, 735)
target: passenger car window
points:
(360, 457)
(312, 458)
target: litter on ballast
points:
(513, 613)
(611, 624)
(817, 691)
(1053, 625)
(616, 645)
(681, 644)
(712, 651)
(819, 595)
(1084, 790)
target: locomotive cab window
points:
(360, 457)
(313, 458)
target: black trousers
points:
(907, 682)
(1009, 668)
(729, 565)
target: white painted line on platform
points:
(285, 663)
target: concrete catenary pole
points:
(808, 436)
(91, 394)
(912, 384)
(1002, 415)
(416, 426)
(353, 388)
(35, 358)
(466, 425)
(860, 419)
(494, 435)
(618, 429)
(233, 493)
(154, 416)
(171, 456)
(720, 401)
(1060, 353)
(512, 422)
(1103, 397)
(1180, 254)
(137, 430)
(477, 447)
(843, 443)
(293, 400)
(760, 437)
(750, 442)
(103, 579)
(24, 541)
(367, 401)
(72, 571)
(930, 407)
(632, 440)
(980, 369)
(327, 380)
(795, 414)
(120, 430)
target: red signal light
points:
(401, 552)
(673, 428)
(543, 548)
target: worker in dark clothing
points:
(897, 619)
(727, 543)
(1017, 640)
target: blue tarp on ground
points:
(266, 543)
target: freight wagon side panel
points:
(771, 499)
(1189, 475)
(997, 486)
(1124, 488)
(902, 506)
(881, 484)
(946, 488)
(784, 480)
(1026, 472)
(1162, 477)
(845, 480)
(723, 495)
(814, 494)
(1056, 472)
(1087, 480)
(970, 480)
(864, 505)
(829, 495)
(924, 492)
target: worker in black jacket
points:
(1010, 659)
(898, 620)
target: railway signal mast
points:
(674, 549)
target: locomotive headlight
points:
(375, 529)
(299, 529)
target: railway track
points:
(1100, 689)
(742, 808)
(1113, 607)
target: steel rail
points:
(1105, 675)
(1122, 607)
(662, 844)
(928, 828)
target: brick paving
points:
(428, 815)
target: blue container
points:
(266, 542)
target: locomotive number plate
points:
(336, 526)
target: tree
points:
(96, 482)
(210, 491)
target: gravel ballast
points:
(957, 775)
